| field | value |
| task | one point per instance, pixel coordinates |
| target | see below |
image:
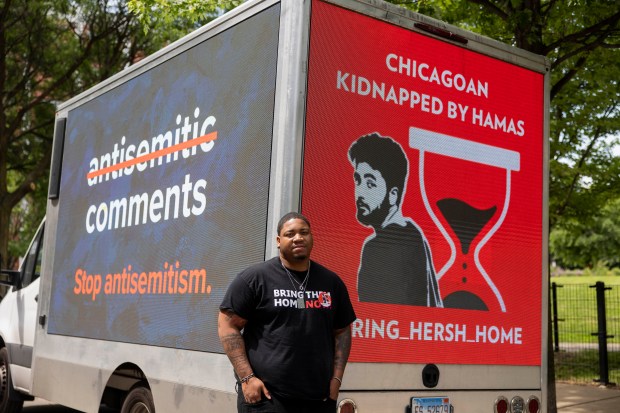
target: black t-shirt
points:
(291, 349)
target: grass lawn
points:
(578, 359)
(583, 366)
(585, 279)
(577, 310)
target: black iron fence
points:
(586, 332)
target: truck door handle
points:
(36, 298)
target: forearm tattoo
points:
(235, 350)
(342, 349)
(234, 346)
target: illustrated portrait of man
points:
(396, 266)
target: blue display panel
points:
(164, 193)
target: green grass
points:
(583, 366)
(585, 279)
(576, 302)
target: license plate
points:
(430, 405)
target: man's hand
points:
(254, 389)
(334, 389)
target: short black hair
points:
(291, 215)
(386, 156)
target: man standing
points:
(296, 320)
(396, 266)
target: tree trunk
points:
(5, 215)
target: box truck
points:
(418, 151)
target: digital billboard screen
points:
(423, 180)
(164, 192)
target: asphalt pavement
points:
(575, 398)
(571, 398)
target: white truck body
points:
(224, 131)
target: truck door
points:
(24, 316)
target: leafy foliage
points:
(152, 13)
(576, 246)
(51, 50)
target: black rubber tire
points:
(139, 400)
(8, 404)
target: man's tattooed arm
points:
(342, 348)
(342, 341)
(229, 326)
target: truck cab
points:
(18, 312)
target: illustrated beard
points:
(376, 217)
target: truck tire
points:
(139, 400)
(8, 403)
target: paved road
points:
(573, 398)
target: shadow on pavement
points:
(56, 408)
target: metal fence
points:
(586, 332)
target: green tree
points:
(157, 12)
(576, 246)
(51, 50)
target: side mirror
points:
(9, 278)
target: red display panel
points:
(423, 179)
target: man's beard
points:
(376, 217)
(291, 256)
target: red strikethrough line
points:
(154, 155)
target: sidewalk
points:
(579, 398)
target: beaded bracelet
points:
(246, 378)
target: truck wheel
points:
(7, 405)
(139, 400)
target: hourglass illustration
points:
(466, 286)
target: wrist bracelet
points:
(337, 379)
(246, 378)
